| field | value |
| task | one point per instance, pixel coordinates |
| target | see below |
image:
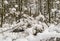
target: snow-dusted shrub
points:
(40, 17)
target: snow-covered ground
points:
(50, 34)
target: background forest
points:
(13, 10)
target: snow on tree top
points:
(5, 2)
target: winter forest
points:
(29, 20)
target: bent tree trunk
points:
(2, 14)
